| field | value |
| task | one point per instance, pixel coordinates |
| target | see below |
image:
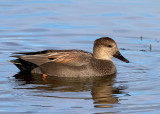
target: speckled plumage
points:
(72, 63)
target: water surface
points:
(34, 25)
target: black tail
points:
(24, 66)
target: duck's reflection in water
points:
(102, 90)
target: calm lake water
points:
(34, 25)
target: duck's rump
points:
(25, 66)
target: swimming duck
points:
(72, 63)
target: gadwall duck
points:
(72, 63)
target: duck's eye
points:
(109, 46)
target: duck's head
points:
(105, 48)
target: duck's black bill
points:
(119, 56)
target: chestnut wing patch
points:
(63, 57)
(69, 58)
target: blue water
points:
(34, 25)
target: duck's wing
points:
(75, 58)
(70, 57)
